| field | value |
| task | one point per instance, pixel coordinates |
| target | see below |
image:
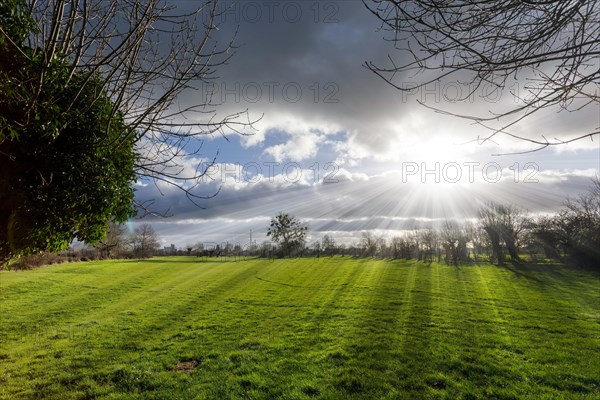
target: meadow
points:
(329, 328)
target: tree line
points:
(501, 233)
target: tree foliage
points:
(289, 232)
(89, 106)
(67, 165)
(549, 48)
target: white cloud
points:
(298, 148)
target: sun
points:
(436, 161)
(442, 149)
(432, 173)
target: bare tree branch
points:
(148, 54)
(553, 46)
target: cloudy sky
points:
(343, 150)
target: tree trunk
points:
(511, 246)
(497, 253)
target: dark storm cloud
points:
(323, 59)
(318, 48)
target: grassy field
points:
(332, 328)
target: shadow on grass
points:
(549, 273)
(524, 272)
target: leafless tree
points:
(144, 241)
(396, 246)
(414, 237)
(328, 245)
(316, 248)
(383, 250)
(115, 242)
(368, 244)
(578, 225)
(553, 46)
(476, 236)
(148, 54)
(545, 236)
(503, 224)
(428, 239)
(454, 241)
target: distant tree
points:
(491, 224)
(491, 46)
(545, 235)
(289, 232)
(414, 239)
(229, 248)
(503, 224)
(237, 249)
(144, 241)
(428, 239)
(328, 245)
(199, 248)
(396, 247)
(455, 243)
(266, 249)
(401, 247)
(252, 249)
(383, 249)
(316, 248)
(578, 225)
(368, 244)
(115, 241)
(473, 235)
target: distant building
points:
(170, 250)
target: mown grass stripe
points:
(310, 328)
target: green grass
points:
(331, 328)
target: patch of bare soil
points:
(186, 366)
